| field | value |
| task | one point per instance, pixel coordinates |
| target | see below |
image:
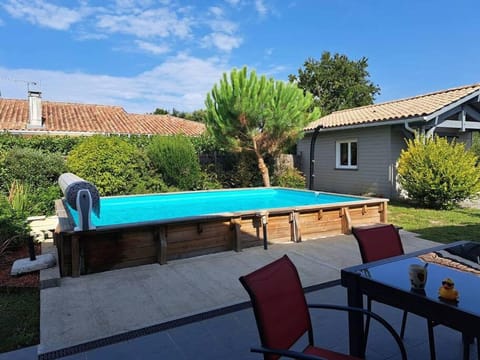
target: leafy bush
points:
(13, 227)
(113, 165)
(42, 200)
(30, 166)
(175, 159)
(291, 178)
(436, 173)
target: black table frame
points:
(357, 286)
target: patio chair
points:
(377, 242)
(283, 316)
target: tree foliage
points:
(436, 173)
(160, 111)
(336, 82)
(247, 112)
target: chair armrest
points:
(286, 353)
(377, 317)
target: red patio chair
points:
(377, 242)
(282, 314)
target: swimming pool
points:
(142, 229)
(124, 210)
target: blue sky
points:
(144, 54)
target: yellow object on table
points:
(447, 291)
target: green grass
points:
(438, 225)
(19, 318)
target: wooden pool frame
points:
(120, 246)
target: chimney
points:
(34, 109)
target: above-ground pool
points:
(142, 229)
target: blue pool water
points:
(157, 207)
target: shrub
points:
(42, 200)
(13, 227)
(113, 165)
(291, 178)
(30, 166)
(436, 173)
(18, 196)
(174, 157)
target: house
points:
(37, 117)
(355, 151)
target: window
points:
(346, 154)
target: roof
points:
(89, 118)
(167, 124)
(413, 107)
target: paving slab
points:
(100, 305)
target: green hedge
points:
(34, 167)
(174, 157)
(46, 143)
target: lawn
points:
(19, 316)
(438, 225)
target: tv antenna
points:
(28, 83)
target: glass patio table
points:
(387, 281)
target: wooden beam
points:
(472, 112)
(455, 124)
(236, 223)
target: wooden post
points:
(75, 255)
(383, 212)
(295, 233)
(346, 220)
(236, 223)
(160, 235)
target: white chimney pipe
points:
(34, 109)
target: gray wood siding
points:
(303, 151)
(398, 143)
(373, 175)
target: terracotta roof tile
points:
(167, 124)
(88, 118)
(422, 105)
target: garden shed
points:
(356, 151)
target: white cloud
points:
(40, 12)
(261, 8)
(152, 48)
(225, 26)
(160, 22)
(215, 10)
(222, 41)
(1, 22)
(233, 2)
(181, 82)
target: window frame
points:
(338, 146)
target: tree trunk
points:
(261, 166)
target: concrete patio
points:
(196, 308)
